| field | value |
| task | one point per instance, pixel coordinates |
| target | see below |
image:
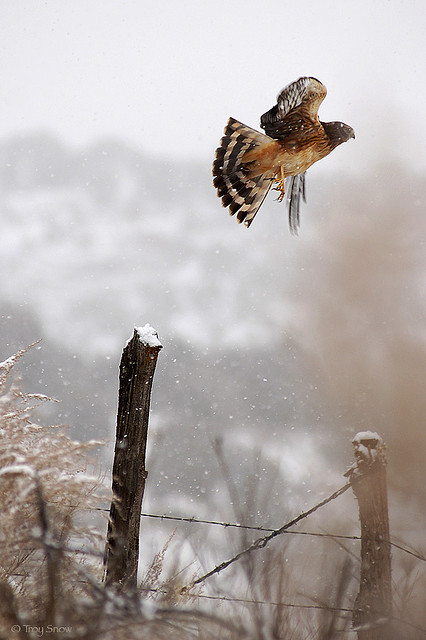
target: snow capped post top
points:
(367, 439)
(148, 336)
(369, 450)
(368, 447)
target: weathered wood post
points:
(373, 605)
(128, 476)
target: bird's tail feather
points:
(240, 192)
(295, 188)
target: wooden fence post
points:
(128, 477)
(373, 605)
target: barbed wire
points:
(236, 525)
(296, 605)
(222, 598)
(416, 554)
(233, 525)
(260, 543)
(291, 605)
(247, 527)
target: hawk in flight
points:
(248, 162)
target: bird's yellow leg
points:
(280, 184)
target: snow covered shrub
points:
(44, 486)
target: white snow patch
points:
(8, 364)
(367, 435)
(148, 335)
(368, 447)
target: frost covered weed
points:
(44, 483)
(152, 586)
(51, 559)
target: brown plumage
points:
(248, 162)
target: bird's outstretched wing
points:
(294, 119)
(297, 101)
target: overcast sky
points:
(166, 75)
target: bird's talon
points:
(280, 188)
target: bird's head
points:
(338, 132)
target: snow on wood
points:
(367, 436)
(148, 336)
(368, 448)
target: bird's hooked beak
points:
(348, 131)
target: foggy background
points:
(284, 347)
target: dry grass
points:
(51, 559)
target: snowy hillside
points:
(99, 240)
